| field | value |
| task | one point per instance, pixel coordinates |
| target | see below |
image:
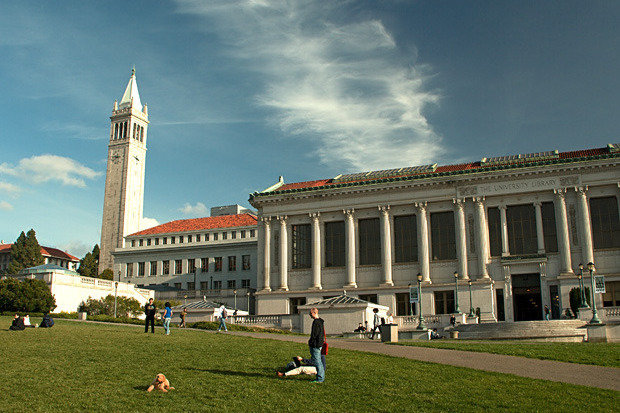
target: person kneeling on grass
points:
(18, 324)
(300, 365)
(47, 321)
(160, 383)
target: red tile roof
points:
(199, 224)
(46, 252)
(440, 169)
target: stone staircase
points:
(552, 330)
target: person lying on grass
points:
(160, 383)
(299, 365)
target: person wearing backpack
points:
(223, 316)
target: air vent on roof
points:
(525, 157)
(385, 173)
(613, 147)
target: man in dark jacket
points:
(18, 324)
(149, 311)
(317, 338)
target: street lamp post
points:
(421, 325)
(248, 295)
(115, 294)
(185, 296)
(582, 289)
(594, 319)
(235, 293)
(211, 282)
(471, 304)
(456, 293)
(410, 302)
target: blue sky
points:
(240, 92)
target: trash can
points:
(82, 316)
(389, 333)
(454, 334)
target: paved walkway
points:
(580, 374)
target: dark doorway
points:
(554, 298)
(499, 296)
(527, 302)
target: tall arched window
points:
(116, 131)
(125, 129)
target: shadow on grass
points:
(141, 388)
(230, 372)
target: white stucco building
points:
(50, 256)
(516, 227)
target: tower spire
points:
(131, 97)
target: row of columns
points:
(481, 232)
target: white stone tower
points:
(124, 183)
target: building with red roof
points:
(50, 255)
(513, 229)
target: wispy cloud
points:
(345, 85)
(148, 223)
(76, 248)
(5, 206)
(194, 210)
(76, 131)
(45, 168)
(9, 188)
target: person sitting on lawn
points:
(360, 329)
(47, 321)
(300, 365)
(160, 383)
(434, 335)
(18, 324)
(27, 322)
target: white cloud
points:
(5, 206)
(345, 85)
(194, 210)
(45, 168)
(76, 248)
(9, 188)
(148, 223)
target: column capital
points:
(384, 209)
(502, 207)
(537, 204)
(560, 193)
(581, 190)
(265, 219)
(348, 212)
(421, 206)
(314, 215)
(458, 203)
(478, 200)
(282, 218)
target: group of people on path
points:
(150, 310)
(22, 323)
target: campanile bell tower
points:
(124, 183)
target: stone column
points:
(562, 229)
(350, 247)
(504, 226)
(540, 236)
(267, 253)
(283, 254)
(423, 245)
(482, 238)
(587, 249)
(316, 251)
(461, 237)
(386, 245)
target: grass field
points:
(99, 367)
(601, 354)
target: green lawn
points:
(602, 354)
(99, 367)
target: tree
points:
(25, 253)
(29, 296)
(574, 297)
(88, 266)
(107, 274)
(125, 307)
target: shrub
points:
(29, 296)
(125, 307)
(575, 300)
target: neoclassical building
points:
(514, 229)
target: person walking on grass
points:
(183, 315)
(167, 318)
(149, 311)
(317, 338)
(376, 323)
(223, 317)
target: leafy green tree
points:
(107, 274)
(25, 253)
(31, 296)
(88, 266)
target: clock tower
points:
(124, 183)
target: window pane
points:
(369, 241)
(334, 244)
(442, 235)
(495, 232)
(549, 228)
(301, 243)
(521, 220)
(405, 239)
(605, 222)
